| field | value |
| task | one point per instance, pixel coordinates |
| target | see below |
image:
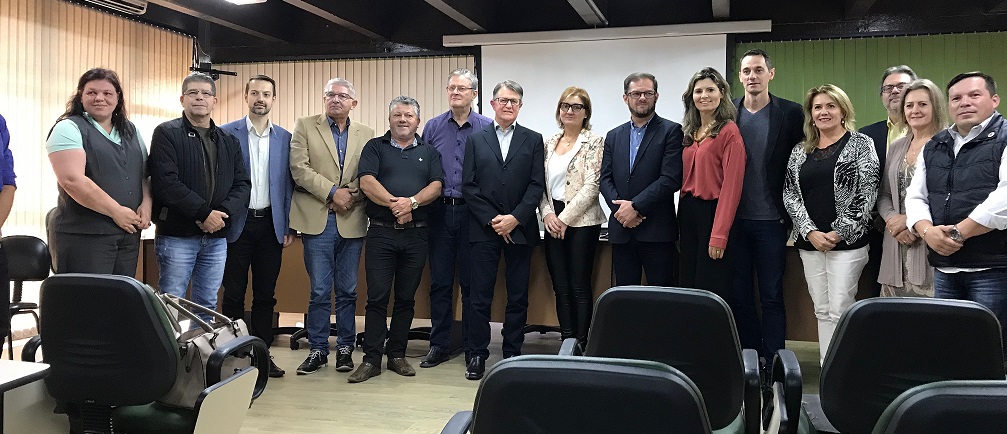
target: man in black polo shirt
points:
(400, 174)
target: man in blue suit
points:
(503, 178)
(258, 237)
(641, 169)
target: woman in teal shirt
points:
(104, 195)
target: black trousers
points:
(257, 248)
(95, 254)
(391, 257)
(695, 218)
(658, 259)
(571, 264)
(485, 261)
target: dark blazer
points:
(281, 185)
(178, 182)
(493, 185)
(786, 130)
(878, 132)
(651, 183)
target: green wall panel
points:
(856, 64)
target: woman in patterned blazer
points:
(830, 189)
(571, 211)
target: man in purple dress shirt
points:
(448, 218)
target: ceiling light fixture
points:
(245, 2)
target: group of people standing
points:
(749, 173)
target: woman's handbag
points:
(195, 347)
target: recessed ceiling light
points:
(245, 2)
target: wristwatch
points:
(955, 235)
(413, 203)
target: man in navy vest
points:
(958, 197)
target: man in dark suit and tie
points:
(503, 178)
(258, 237)
(641, 170)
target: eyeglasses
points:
(564, 107)
(508, 102)
(459, 89)
(636, 95)
(193, 93)
(337, 96)
(888, 88)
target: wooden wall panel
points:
(377, 81)
(45, 45)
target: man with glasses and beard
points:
(641, 170)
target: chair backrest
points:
(885, 346)
(691, 330)
(960, 407)
(107, 339)
(553, 394)
(221, 408)
(27, 258)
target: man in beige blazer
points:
(328, 210)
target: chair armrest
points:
(570, 348)
(30, 348)
(260, 354)
(753, 391)
(459, 423)
(787, 373)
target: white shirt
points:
(258, 158)
(556, 172)
(991, 213)
(504, 136)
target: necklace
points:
(703, 132)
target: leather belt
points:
(259, 213)
(410, 225)
(452, 200)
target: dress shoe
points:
(364, 372)
(475, 369)
(275, 371)
(435, 357)
(400, 366)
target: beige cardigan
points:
(582, 177)
(918, 268)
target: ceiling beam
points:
(464, 12)
(262, 30)
(329, 16)
(722, 9)
(589, 12)
(857, 9)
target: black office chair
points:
(960, 407)
(883, 347)
(691, 330)
(27, 261)
(113, 352)
(556, 394)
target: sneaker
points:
(315, 361)
(275, 371)
(344, 359)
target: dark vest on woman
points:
(957, 184)
(118, 170)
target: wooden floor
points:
(391, 404)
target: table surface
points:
(15, 373)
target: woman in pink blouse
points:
(713, 168)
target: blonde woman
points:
(905, 270)
(571, 211)
(830, 189)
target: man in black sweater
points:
(198, 181)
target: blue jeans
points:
(759, 248)
(331, 261)
(200, 258)
(449, 250)
(987, 287)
